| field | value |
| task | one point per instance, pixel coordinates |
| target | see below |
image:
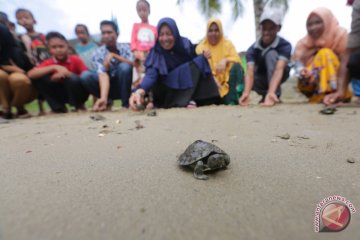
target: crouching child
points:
(58, 78)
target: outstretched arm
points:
(137, 99)
(342, 82)
(249, 82)
(271, 98)
(104, 84)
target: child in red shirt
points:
(58, 78)
(143, 36)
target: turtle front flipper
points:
(199, 171)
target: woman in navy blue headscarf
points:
(175, 74)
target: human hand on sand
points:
(100, 105)
(137, 99)
(270, 100)
(244, 99)
(333, 98)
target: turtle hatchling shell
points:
(197, 151)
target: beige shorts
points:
(354, 36)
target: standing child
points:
(34, 42)
(86, 47)
(57, 78)
(142, 40)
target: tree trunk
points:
(258, 9)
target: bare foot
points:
(191, 104)
(41, 113)
(100, 105)
(357, 101)
(150, 105)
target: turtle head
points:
(218, 161)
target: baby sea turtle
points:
(328, 110)
(203, 156)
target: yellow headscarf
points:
(224, 49)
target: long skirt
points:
(324, 73)
(236, 85)
(204, 92)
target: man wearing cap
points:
(267, 61)
(351, 60)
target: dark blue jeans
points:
(57, 94)
(120, 83)
(353, 65)
(262, 79)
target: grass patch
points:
(33, 107)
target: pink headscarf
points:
(333, 37)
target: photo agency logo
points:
(333, 214)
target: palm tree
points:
(211, 7)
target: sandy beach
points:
(70, 177)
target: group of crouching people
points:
(178, 73)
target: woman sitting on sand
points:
(318, 55)
(177, 76)
(224, 62)
(16, 89)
